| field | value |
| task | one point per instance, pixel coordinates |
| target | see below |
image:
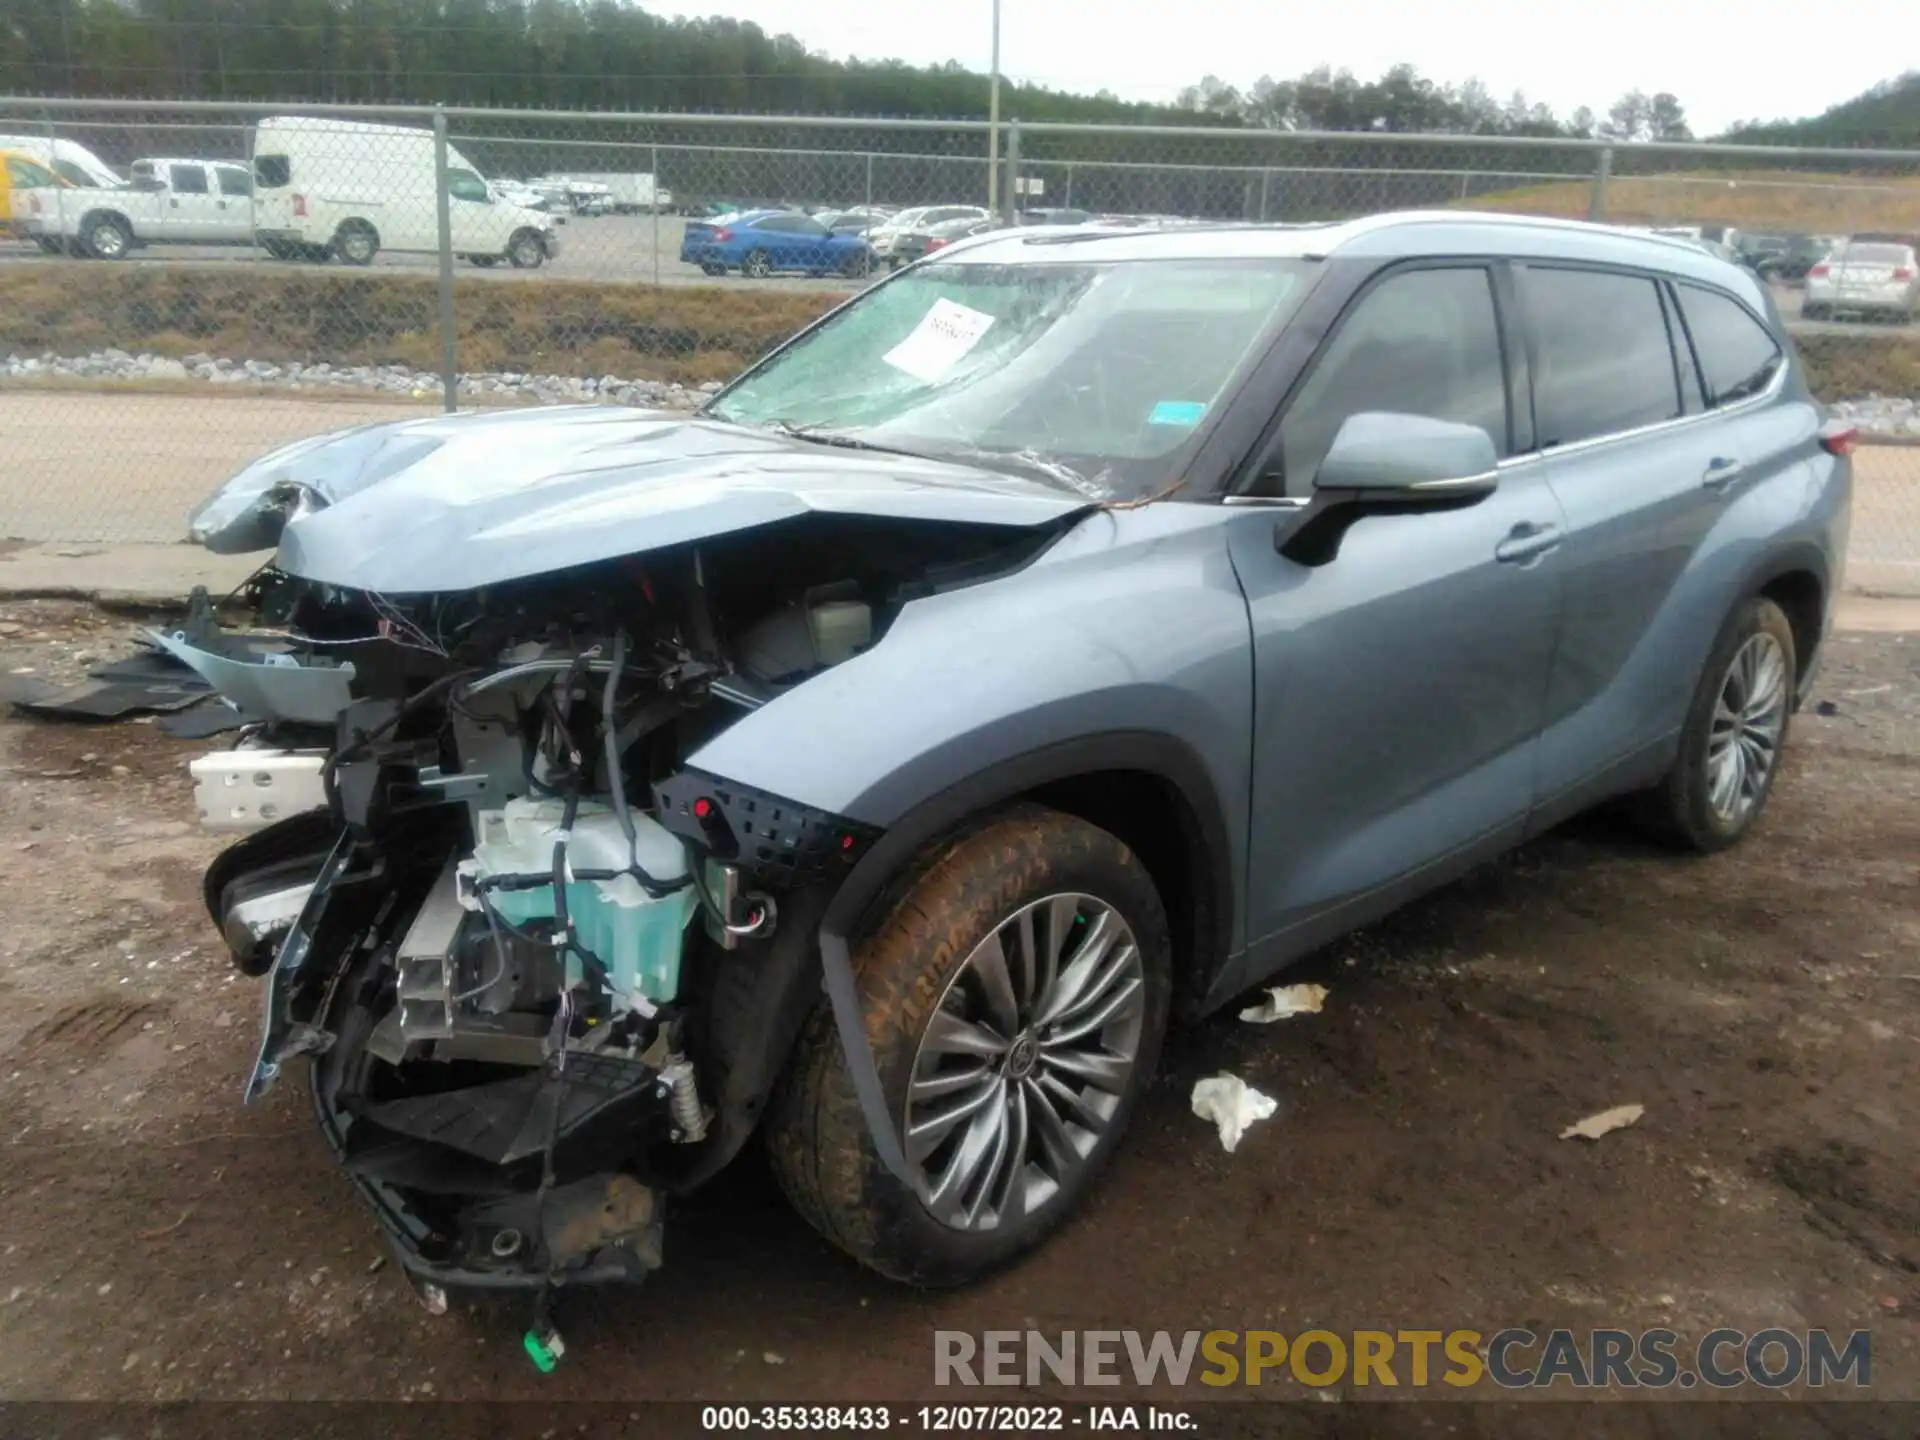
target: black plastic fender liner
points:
(851, 1022)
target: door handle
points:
(1527, 541)
(1721, 473)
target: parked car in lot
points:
(760, 242)
(25, 184)
(623, 192)
(1785, 257)
(1052, 641)
(1877, 278)
(916, 243)
(68, 159)
(165, 202)
(886, 239)
(1056, 215)
(861, 220)
(345, 189)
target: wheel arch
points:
(1121, 775)
(104, 212)
(356, 222)
(1798, 580)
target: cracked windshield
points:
(1090, 376)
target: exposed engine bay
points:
(545, 973)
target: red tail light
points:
(299, 207)
(1838, 438)
(722, 236)
(1905, 272)
(933, 245)
(1820, 269)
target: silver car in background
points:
(1867, 277)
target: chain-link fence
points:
(330, 264)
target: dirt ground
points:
(166, 1243)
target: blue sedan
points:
(759, 242)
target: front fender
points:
(1128, 638)
(1127, 645)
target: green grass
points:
(681, 333)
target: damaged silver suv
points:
(1057, 638)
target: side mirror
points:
(1381, 462)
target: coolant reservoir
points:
(637, 937)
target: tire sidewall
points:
(908, 1239)
(1695, 812)
(118, 251)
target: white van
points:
(339, 187)
(72, 162)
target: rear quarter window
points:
(1606, 363)
(1738, 356)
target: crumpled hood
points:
(458, 501)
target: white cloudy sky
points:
(1726, 59)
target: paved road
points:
(604, 247)
(148, 459)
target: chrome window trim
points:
(1575, 447)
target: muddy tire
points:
(1735, 732)
(1014, 1080)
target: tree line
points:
(1403, 101)
(612, 54)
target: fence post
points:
(1009, 192)
(443, 215)
(869, 200)
(1067, 199)
(654, 162)
(1603, 167)
(1266, 176)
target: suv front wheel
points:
(1016, 999)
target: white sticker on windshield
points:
(939, 342)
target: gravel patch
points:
(321, 377)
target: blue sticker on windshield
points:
(1185, 413)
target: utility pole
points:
(993, 121)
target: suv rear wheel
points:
(1016, 999)
(1730, 748)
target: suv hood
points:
(458, 501)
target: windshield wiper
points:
(821, 435)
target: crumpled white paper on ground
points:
(1285, 1000)
(1232, 1105)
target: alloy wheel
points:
(1024, 1064)
(1749, 715)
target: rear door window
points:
(1423, 342)
(1738, 357)
(1605, 362)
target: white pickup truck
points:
(166, 202)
